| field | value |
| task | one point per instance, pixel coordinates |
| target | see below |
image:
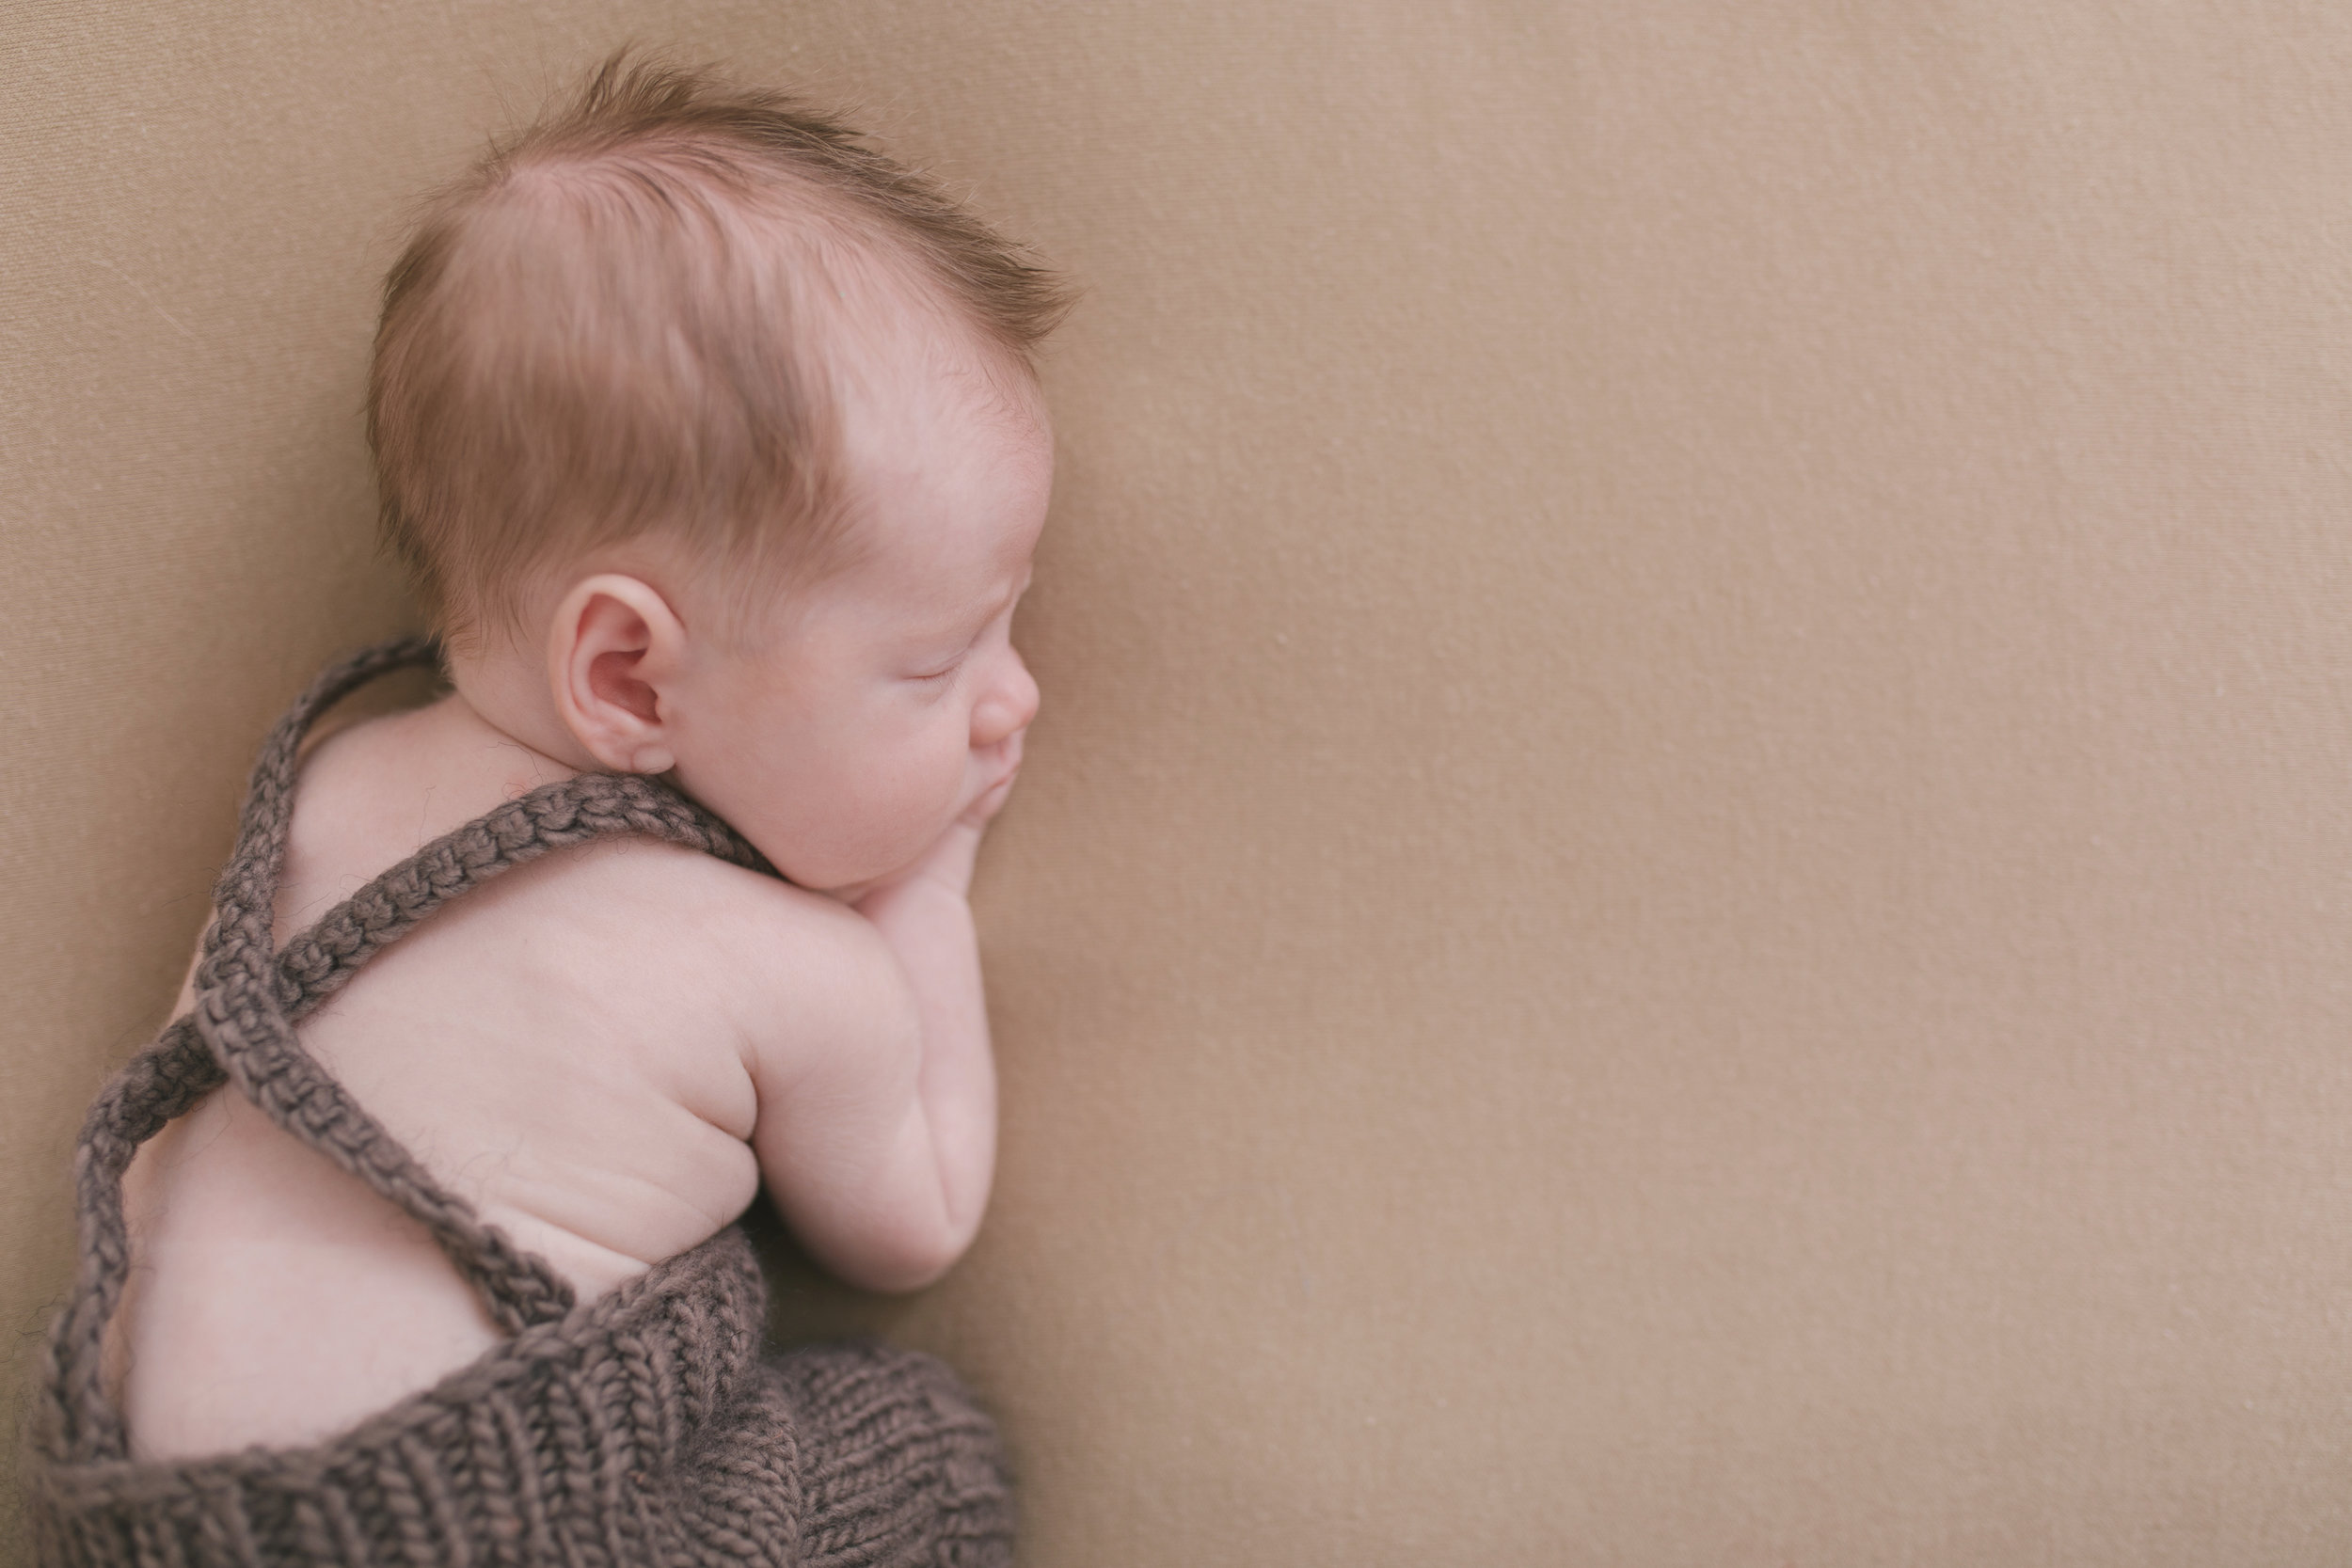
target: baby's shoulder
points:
(792, 977)
(752, 920)
(377, 791)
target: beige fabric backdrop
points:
(1684, 889)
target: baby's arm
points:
(877, 1124)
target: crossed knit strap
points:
(249, 998)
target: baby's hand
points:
(949, 861)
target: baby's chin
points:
(846, 854)
(846, 878)
(828, 877)
(852, 891)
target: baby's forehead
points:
(902, 366)
(885, 320)
(939, 432)
(898, 372)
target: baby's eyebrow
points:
(1005, 601)
(976, 618)
(961, 627)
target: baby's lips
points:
(990, 801)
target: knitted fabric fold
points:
(643, 1428)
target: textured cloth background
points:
(1682, 896)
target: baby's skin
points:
(609, 1051)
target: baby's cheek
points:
(906, 800)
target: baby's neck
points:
(374, 792)
(501, 691)
(464, 732)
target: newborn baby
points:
(712, 440)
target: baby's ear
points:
(614, 656)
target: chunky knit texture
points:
(643, 1428)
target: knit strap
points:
(249, 998)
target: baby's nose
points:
(1007, 706)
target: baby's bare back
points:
(577, 1050)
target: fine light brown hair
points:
(620, 322)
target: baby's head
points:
(711, 439)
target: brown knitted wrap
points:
(642, 1428)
